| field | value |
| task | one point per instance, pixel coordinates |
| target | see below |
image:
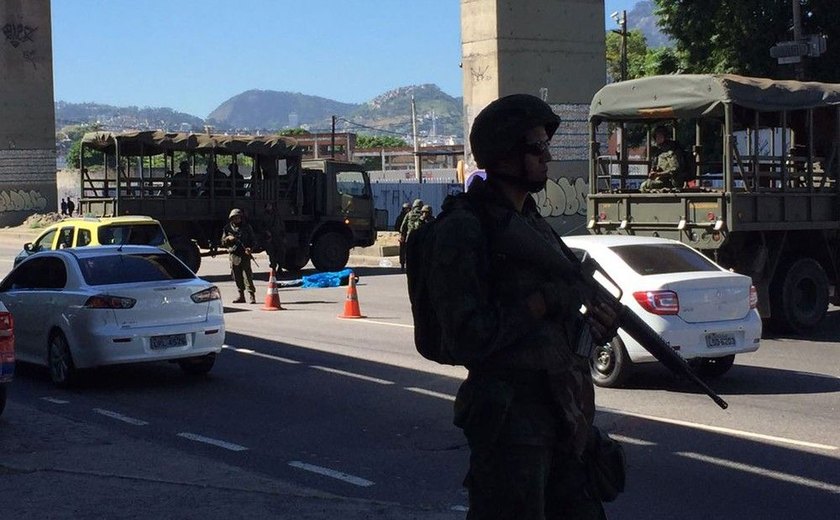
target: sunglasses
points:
(538, 148)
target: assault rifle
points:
(519, 240)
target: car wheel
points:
(60, 361)
(800, 300)
(198, 365)
(330, 252)
(714, 367)
(610, 365)
(2, 398)
(187, 251)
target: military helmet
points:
(235, 212)
(663, 131)
(500, 128)
(418, 203)
(426, 208)
(406, 205)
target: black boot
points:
(253, 298)
(241, 298)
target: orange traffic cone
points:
(351, 302)
(272, 295)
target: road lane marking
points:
(353, 375)
(215, 442)
(430, 393)
(764, 472)
(120, 417)
(54, 400)
(631, 440)
(390, 324)
(250, 352)
(327, 472)
(726, 431)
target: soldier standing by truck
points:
(238, 237)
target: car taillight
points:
(753, 297)
(106, 301)
(658, 302)
(7, 338)
(207, 295)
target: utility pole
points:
(417, 165)
(332, 139)
(622, 24)
(798, 67)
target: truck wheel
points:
(714, 367)
(801, 299)
(610, 365)
(187, 251)
(295, 260)
(330, 252)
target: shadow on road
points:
(827, 330)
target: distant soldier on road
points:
(406, 207)
(274, 237)
(411, 221)
(238, 238)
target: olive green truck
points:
(763, 197)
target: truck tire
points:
(610, 365)
(800, 298)
(187, 251)
(330, 252)
(295, 260)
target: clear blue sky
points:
(193, 55)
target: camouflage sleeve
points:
(474, 325)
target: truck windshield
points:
(354, 184)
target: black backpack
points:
(418, 250)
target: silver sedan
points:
(86, 307)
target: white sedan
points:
(705, 312)
(86, 307)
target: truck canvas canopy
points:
(705, 95)
(148, 143)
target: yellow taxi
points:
(98, 231)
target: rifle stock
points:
(519, 240)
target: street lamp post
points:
(621, 20)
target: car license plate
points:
(717, 340)
(169, 341)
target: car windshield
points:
(132, 268)
(136, 234)
(649, 259)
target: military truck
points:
(765, 199)
(315, 209)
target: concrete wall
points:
(27, 117)
(553, 49)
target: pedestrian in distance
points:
(527, 405)
(426, 215)
(71, 207)
(406, 207)
(274, 236)
(412, 221)
(238, 237)
(63, 207)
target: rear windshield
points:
(647, 259)
(135, 234)
(115, 269)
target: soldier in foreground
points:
(527, 405)
(238, 238)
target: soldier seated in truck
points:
(668, 168)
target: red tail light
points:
(7, 338)
(658, 302)
(106, 301)
(207, 295)
(753, 297)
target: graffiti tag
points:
(563, 197)
(17, 33)
(21, 200)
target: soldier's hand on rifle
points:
(248, 251)
(603, 321)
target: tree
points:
(75, 134)
(637, 49)
(735, 36)
(379, 141)
(293, 132)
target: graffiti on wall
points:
(17, 34)
(563, 197)
(21, 200)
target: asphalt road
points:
(349, 408)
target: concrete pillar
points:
(554, 49)
(27, 114)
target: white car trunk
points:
(719, 296)
(159, 305)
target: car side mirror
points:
(27, 247)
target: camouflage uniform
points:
(411, 222)
(240, 263)
(669, 165)
(527, 404)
